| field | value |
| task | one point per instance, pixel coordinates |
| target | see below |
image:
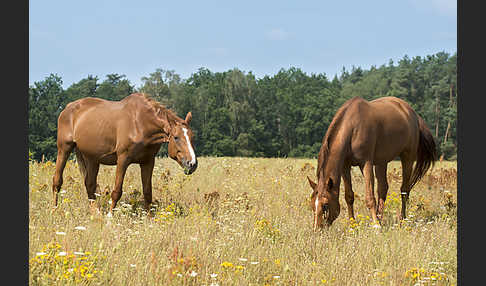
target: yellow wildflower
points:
(227, 264)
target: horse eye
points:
(325, 207)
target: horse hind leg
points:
(91, 173)
(405, 188)
(382, 188)
(63, 151)
(81, 162)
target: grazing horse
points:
(368, 134)
(120, 133)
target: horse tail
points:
(426, 153)
(81, 163)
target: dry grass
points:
(238, 221)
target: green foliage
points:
(31, 156)
(286, 115)
(162, 85)
(45, 102)
(115, 87)
(84, 88)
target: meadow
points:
(238, 221)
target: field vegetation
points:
(238, 221)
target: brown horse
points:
(120, 133)
(368, 134)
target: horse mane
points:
(159, 108)
(330, 133)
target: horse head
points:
(181, 147)
(324, 201)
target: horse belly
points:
(391, 141)
(96, 138)
(142, 152)
(381, 143)
(109, 159)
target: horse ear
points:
(311, 183)
(188, 118)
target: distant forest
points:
(284, 115)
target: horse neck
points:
(337, 152)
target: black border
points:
(470, 155)
(460, 134)
(14, 118)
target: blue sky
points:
(75, 39)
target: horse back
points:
(396, 115)
(383, 129)
(94, 124)
(88, 110)
(68, 116)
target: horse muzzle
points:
(321, 215)
(189, 167)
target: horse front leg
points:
(121, 168)
(146, 170)
(348, 191)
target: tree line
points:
(284, 115)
